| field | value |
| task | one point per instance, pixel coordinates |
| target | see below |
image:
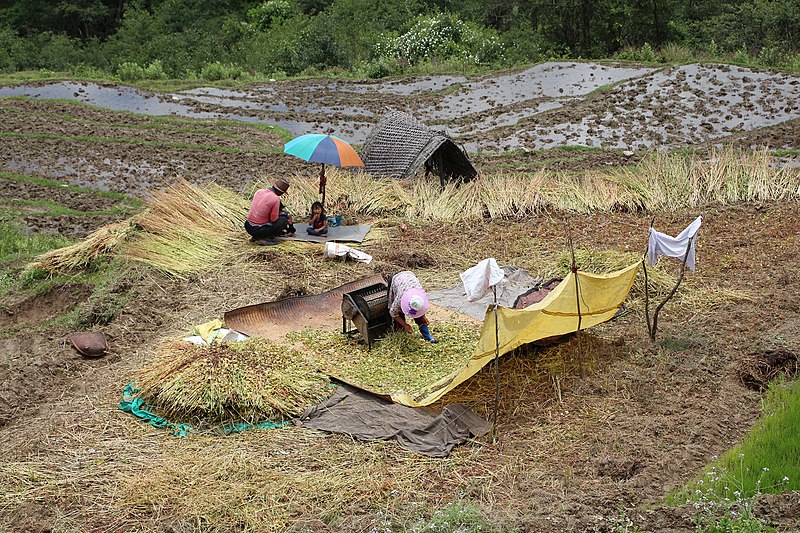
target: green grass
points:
(765, 462)
(766, 459)
(49, 208)
(579, 148)
(16, 245)
(459, 516)
(109, 290)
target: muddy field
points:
(645, 419)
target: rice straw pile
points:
(85, 253)
(399, 361)
(245, 381)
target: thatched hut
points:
(400, 145)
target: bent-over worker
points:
(408, 298)
(265, 221)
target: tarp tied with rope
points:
(600, 295)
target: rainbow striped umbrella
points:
(325, 149)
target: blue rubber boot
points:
(426, 334)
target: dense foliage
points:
(216, 39)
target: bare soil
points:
(572, 455)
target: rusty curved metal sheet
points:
(261, 319)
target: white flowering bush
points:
(271, 13)
(442, 37)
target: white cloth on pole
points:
(336, 249)
(478, 279)
(663, 244)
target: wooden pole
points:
(672, 292)
(574, 269)
(322, 183)
(647, 296)
(496, 365)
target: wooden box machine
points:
(368, 310)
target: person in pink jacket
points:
(265, 221)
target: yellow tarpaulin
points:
(601, 296)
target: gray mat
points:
(335, 234)
(368, 417)
(516, 282)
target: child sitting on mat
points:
(318, 225)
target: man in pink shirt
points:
(265, 221)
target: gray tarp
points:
(335, 234)
(516, 282)
(368, 417)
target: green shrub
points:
(11, 49)
(771, 56)
(742, 57)
(129, 71)
(379, 68)
(56, 51)
(644, 54)
(217, 71)
(155, 71)
(89, 72)
(676, 53)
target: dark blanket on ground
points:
(368, 417)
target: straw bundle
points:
(188, 228)
(85, 253)
(245, 381)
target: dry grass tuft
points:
(244, 381)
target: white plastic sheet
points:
(478, 279)
(336, 249)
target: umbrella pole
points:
(322, 183)
(496, 368)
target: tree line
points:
(216, 39)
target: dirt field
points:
(573, 454)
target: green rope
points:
(133, 404)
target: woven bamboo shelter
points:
(399, 145)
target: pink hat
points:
(414, 303)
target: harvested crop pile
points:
(248, 381)
(398, 362)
